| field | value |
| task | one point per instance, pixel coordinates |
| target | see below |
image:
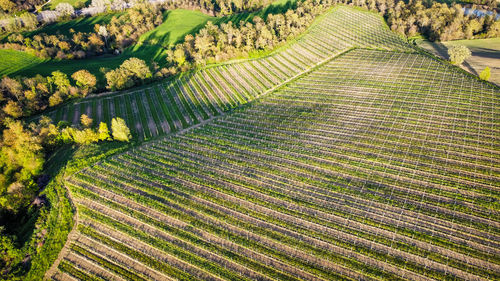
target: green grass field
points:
(83, 24)
(74, 3)
(24, 64)
(14, 61)
(485, 52)
(166, 34)
(177, 24)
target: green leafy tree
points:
(120, 130)
(485, 74)
(179, 55)
(103, 132)
(118, 79)
(132, 71)
(8, 252)
(21, 159)
(85, 136)
(13, 109)
(458, 54)
(85, 80)
(60, 80)
(137, 67)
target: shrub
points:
(485, 74)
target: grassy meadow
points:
(485, 52)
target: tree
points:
(85, 80)
(85, 136)
(137, 67)
(103, 132)
(65, 10)
(104, 33)
(7, 6)
(60, 80)
(13, 109)
(86, 121)
(118, 79)
(120, 130)
(458, 54)
(47, 131)
(12, 87)
(21, 159)
(179, 55)
(99, 3)
(485, 74)
(55, 99)
(130, 72)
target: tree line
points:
(437, 21)
(121, 32)
(215, 43)
(22, 97)
(24, 147)
(19, 17)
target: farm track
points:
(366, 166)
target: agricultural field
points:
(198, 96)
(13, 61)
(344, 155)
(485, 53)
(74, 3)
(370, 166)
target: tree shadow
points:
(440, 49)
(486, 53)
(469, 68)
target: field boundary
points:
(424, 52)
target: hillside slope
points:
(375, 164)
(183, 102)
(371, 166)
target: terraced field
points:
(171, 106)
(376, 165)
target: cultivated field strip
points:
(366, 168)
(191, 99)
